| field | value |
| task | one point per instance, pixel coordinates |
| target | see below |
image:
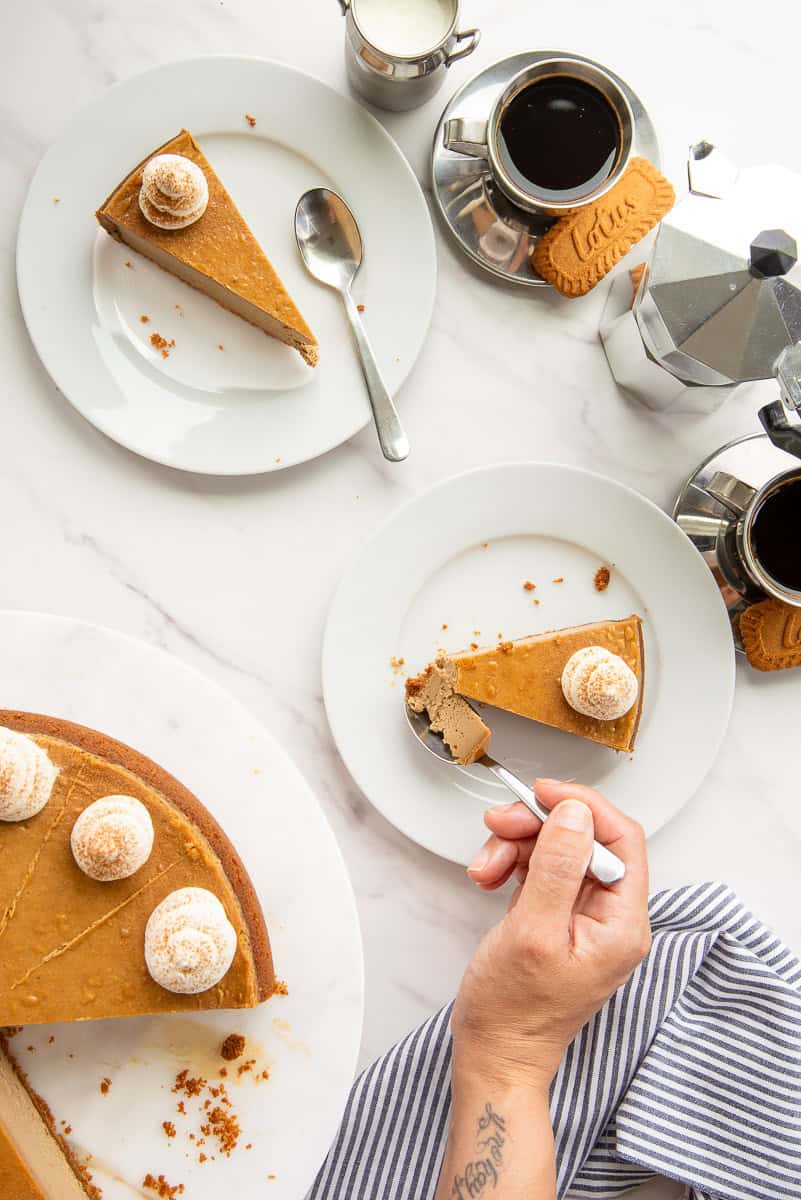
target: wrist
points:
(502, 1071)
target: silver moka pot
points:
(719, 302)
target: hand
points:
(566, 943)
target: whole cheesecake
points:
(73, 948)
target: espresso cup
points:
(768, 531)
(559, 136)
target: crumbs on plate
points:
(602, 577)
(160, 343)
(159, 1185)
(105, 1086)
(528, 586)
(559, 579)
(250, 120)
(397, 664)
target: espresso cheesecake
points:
(173, 208)
(587, 680)
(120, 895)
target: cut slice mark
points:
(84, 933)
(11, 907)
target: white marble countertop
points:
(235, 576)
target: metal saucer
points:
(711, 527)
(497, 235)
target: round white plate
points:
(458, 556)
(253, 406)
(309, 1039)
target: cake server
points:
(604, 866)
(331, 247)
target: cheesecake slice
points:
(217, 253)
(73, 948)
(35, 1162)
(525, 677)
(463, 731)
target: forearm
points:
(500, 1142)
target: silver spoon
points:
(331, 245)
(605, 866)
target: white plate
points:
(253, 406)
(429, 566)
(309, 1039)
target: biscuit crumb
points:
(144, 319)
(220, 346)
(167, 1191)
(105, 1086)
(56, 199)
(397, 664)
(168, 1128)
(250, 120)
(602, 576)
(559, 579)
(444, 625)
(232, 1047)
(536, 601)
(360, 308)
(281, 988)
(474, 645)
(528, 586)
(484, 545)
(128, 264)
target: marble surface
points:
(235, 576)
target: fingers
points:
(557, 868)
(497, 860)
(512, 821)
(617, 831)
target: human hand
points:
(566, 943)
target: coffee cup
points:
(766, 542)
(559, 136)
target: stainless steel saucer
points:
(493, 232)
(711, 527)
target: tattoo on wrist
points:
(482, 1173)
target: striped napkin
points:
(692, 1070)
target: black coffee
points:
(560, 135)
(776, 535)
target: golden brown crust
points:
(582, 247)
(43, 1108)
(771, 635)
(104, 747)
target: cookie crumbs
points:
(281, 988)
(484, 545)
(11, 1031)
(528, 586)
(31, 1049)
(144, 319)
(159, 1185)
(67, 1130)
(168, 1128)
(265, 1074)
(474, 645)
(181, 1107)
(536, 601)
(506, 647)
(56, 199)
(360, 308)
(246, 1066)
(233, 1047)
(278, 459)
(224, 1126)
(476, 633)
(444, 626)
(397, 664)
(128, 264)
(249, 1146)
(223, 1072)
(179, 310)
(250, 120)
(559, 579)
(602, 576)
(188, 1085)
(201, 1158)
(105, 1085)
(160, 343)
(271, 1177)
(51, 1039)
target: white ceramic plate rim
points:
(335, 666)
(422, 266)
(349, 1029)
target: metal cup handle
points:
(471, 36)
(731, 492)
(466, 137)
(344, 5)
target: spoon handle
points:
(604, 865)
(393, 441)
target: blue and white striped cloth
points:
(692, 1070)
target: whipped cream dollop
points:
(26, 776)
(598, 683)
(189, 941)
(174, 192)
(112, 838)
